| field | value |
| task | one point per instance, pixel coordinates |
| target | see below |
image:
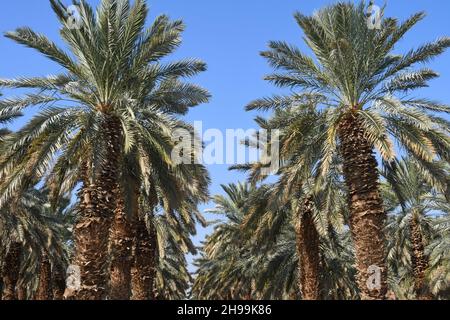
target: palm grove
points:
(359, 208)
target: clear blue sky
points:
(228, 35)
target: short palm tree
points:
(254, 255)
(167, 211)
(173, 191)
(172, 279)
(113, 92)
(411, 226)
(222, 271)
(438, 251)
(300, 187)
(32, 241)
(361, 87)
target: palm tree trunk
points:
(145, 259)
(308, 253)
(11, 271)
(98, 203)
(419, 261)
(367, 216)
(59, 282)
(44, 291)
(21, 292)
(121, 248)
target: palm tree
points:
(175, 190)
(254, 254)
(172, 278)
(355, 81)
(10, 271)
(336, 277)
(112, 90)
(301, 187)
(222, 271)
(32, 243)
(412, 224)
(163, 238)
(313, 216)
(438, 275)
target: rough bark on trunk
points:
(121, 250)
(44, 291)
(145, 259)
(419, 261)
(59, 282)
(367, 216)
(21, 292)
(98, 203)
(11, 271)
(308, 253)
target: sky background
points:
(228, 35)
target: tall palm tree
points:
(113, 91)
(359, 84)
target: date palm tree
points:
(223, 271)
(362, 88)
(94, 113)
(32, 245)
(172, 278)
(173, 190)
(438, 275)
(300, 187)
(168, 215)
(254, 256)
(412, 226)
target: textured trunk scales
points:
(419, 261)
(367, 216)
(145, 259)
(44, 291)
(59, 282)
(11, 271)
(98, 203)
(121, 249)
(308, 253)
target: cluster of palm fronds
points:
(322, 224)
(359, 208)
(252, 253)
(103, 131)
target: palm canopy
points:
(439, 256)
(226, 269)
(414, 224)
(355, 70)
(353, 96)
(254, 256)
(40, 231)
(112, 69)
